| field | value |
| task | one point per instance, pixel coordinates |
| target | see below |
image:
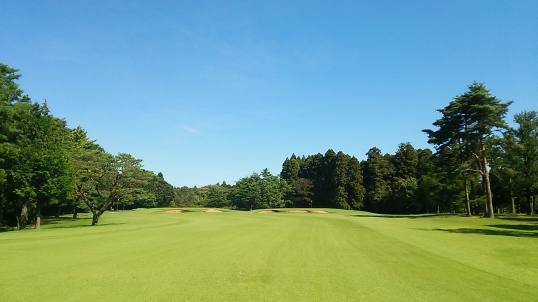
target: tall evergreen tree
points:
(354, 186)
(161, 189)
(377, 170)
(471, 119)
(428, 181)
(404, 183)
(312, 169)
(521, 155)
(290, 168)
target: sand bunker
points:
(295, 211)
(174, 211)
(187, 211)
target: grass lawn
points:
(148, 255)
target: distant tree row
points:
(46, 166)
(383, 183)
(480, 166)
(257, 191)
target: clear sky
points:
(206, 91)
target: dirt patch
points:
(269, 211)
(174, 211)
(297, 211)
(319, 212)
(212, 211)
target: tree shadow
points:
(65, 218)
(86, 225)
(511, 232)
(408, 216)
(6, 229)
(520, 218)
(57, 226)
(523, 227)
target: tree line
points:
(479, 166)
(46, 167)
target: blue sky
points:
(206, 91)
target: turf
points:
(148, 255)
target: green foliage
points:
(103, 180)
(186, 197)
(218, 197)
(303, 192)
(161, 191)
(34, 167)
(518, 158)
(260, 191)
(377, 170)
(330, 180)
(354, 185)
(9, 89)
(468, 122)
(291, 168)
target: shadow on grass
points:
(73, 226)
(520, 218)
(410, 216)
(58, 226)
(521, 227)
(54, 220)
(510, 232)
(6, 229)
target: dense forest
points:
(48, 168)
(480, 166)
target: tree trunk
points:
(533, 203)
(530, 201)
(512, 198)
(21, 220)
(58, 211)
(38, 216)
(468, 202)
(489, 195)
(75, 212)
(95, 218)
(513, 204)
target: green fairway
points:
(148, 255)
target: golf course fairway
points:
(151, 255)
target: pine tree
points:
(469, 121)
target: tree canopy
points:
(467, 123)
